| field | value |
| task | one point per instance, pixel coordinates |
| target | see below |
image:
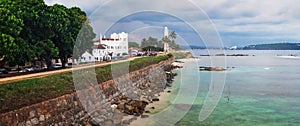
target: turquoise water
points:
(263, 90)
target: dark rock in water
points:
(169, 91)
(144, 116)
(183, 106)
(204, 68)
(133, 107)
(152, 107)
(220, 55)
(147, 111)
(179, 61)
(126, 121)
(155, 99)
(169, 84)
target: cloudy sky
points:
(197, 22)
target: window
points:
(112, 47)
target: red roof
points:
(100, 46)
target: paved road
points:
(43, 74)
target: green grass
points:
(181, 55)
(26, 92)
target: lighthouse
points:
(166, 36)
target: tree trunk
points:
(63, 61)
(49, 63)
(2, 62)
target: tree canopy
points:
(33, 30)
(153, 44)
(133, 44)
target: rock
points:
(144, 116)
(203, 68)
(34, 121)
(20, 124)
(28, 123)
(117, 119)
(31, 114)
(169, 91)
(108, 123)
(42, 118)
(113, 106)
(152, 107)
(147, 111)
(183, 106)
(155, 99)
(94, 122)
(126, 121)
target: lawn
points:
(15, 95)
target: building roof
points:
(99, 46)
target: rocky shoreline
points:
(126, 108)
(149, 93)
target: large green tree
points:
(34, 38)
(151, 41)
(71, 25)
(31, 29)
(10, 28)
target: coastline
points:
(165, 100)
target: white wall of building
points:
(101, 54)
(87, 57)
(117, 43)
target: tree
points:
(149, 42)
(41, 31)
(133, 44)
(172, 43)
(10, 28)
(35, 33)
(144, 43)
(84, 41)
(70, 26)
(173, 35)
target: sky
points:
(197, 22)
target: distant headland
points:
(272, 46)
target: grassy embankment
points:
(182, 55)
(26, 92)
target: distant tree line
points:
(154, 44)
(30, 29)
(275, 46)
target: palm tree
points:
(173, 35)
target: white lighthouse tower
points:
(166, 36)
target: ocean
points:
(261, 89)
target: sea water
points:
(261, 90)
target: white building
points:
(99, 53)
(87, 57)
(117, 44)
